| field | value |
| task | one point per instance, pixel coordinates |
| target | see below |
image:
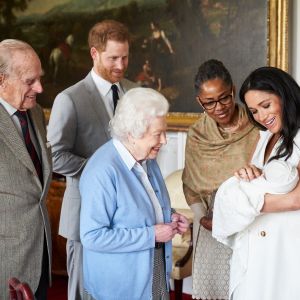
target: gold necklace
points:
(235, 123)
(233, 127)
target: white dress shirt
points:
(104, 88)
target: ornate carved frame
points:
(277, 56)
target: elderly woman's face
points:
(148, 146)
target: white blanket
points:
(238, 202)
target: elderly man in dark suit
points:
(79, 125)
(25, 172)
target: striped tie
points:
(22, 116)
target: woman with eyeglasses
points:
(218, 144)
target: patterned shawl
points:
(212, 155)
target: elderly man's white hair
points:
(135, 111)
(8, 48)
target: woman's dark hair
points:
(212, 69)
(275, 81)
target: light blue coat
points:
(117, 227)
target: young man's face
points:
(111, 64)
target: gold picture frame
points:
(277, 55)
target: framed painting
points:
(171, 38)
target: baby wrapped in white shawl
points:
(238, 202)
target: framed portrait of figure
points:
(170, 39)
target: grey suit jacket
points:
(23, 214)
(78, 126)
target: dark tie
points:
(114, 89)
(22, 116)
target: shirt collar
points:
(126, 156)
(10, 109)
(103, 85)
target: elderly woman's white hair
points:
(135, 111)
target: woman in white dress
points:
(265, 262)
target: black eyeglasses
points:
(212, 104)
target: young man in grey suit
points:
(25, 172)
(78, 126)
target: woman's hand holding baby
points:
(248, 173)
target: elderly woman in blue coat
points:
(126, 222)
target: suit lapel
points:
(97, 103)
(40, 133)
(13, 140)
(127, 85)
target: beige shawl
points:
(212, 155)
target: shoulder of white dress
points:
(264, 134)
(297, 139)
